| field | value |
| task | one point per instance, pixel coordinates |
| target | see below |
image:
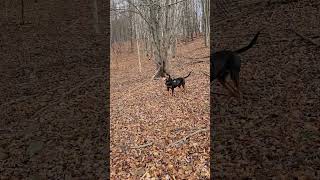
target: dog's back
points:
(225, 62)
(175, 82)
(222, 63)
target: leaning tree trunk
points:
(131, 27)
(137, 40)
(22, 12)
(158, 39)
(207, 36)
(161, 65)
(96, 17)
(158, 17)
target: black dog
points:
(173, 83)
(225, 62)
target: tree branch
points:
(305, 38)
(175, 3)
(188, 136)
(40, 111)
(141, 146)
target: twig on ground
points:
(76, 21)
(63, 96)
(23, 98)
(205, 73)
(305, 38)
(188, 136)
(196, 62)
(141, 146)
(145, 174)
(219, 93)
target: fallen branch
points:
(141, 146)
(196, 62)
(76, 21)
(305, 38)
(195, 58)
(23, 98)
(219, 93)
(145, 174)
(205, 73)
(188, 136)
(62, 97)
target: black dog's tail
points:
(168, 75)
(188, 75)
(253, 41)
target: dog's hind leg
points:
(229, 88)
(235, 79)
(234, 90)
(183, 86)
(237, 84)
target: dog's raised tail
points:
(167, 75)
(188, 75)
(253, 41)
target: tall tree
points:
(206, 21)
(96, 17)
(159, 24)
(22, 11)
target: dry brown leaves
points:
(274, 131)
(145, 120)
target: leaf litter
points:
(155, 135)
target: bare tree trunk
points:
(160, 20)
(208, 23)
(131, 37)
(131, 27)
(36, 9)
(192, 20)
(203, 27)
(138, 49)
(186, 26)
(137, 39)
(22, 12)
(96, 17)
(148, 45)
(174, 47)
(160, 60)
(6, 11)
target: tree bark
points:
(96, 17)
(22, 12)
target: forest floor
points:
(53, 104)
(154, 134)
(275, 130)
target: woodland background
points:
(275, 130)
(54, 96)
(153, 134)
(54, 89)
